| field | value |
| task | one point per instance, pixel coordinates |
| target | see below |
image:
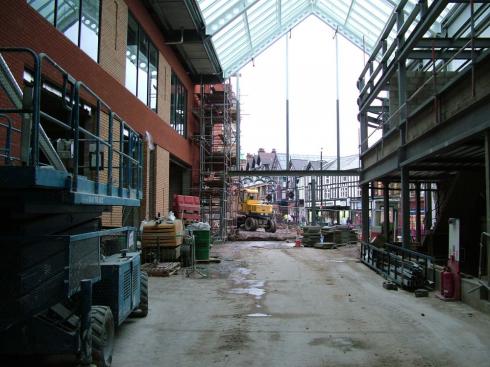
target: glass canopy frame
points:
(242, 29)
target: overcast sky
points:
(312, 94)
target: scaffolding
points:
(217, 111)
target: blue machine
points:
(119, 287)
(59, 170)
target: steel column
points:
(321, 183)
(405, 187)
(238, 120)
(386, 210)
(287, 102)
(487, 192)
(337, 100)
(428, 206)
(418, 228)
(313, 202)
(365, 211)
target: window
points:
(79, 20)
(178, 105)
(141, 65)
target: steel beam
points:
(298, 173)
(441, 55)
(474, 121)
(432, 14)
(481, 42)
(379, 169)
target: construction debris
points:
(260, 235)
(390, 286)
(421, 293)
(337, 235)
(161, 269)
(211, 260)
(311, 235)
(325, 245)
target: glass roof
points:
(241, 29)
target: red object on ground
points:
(187, 207)
(447, 284)
(451, 281)
(297, 243)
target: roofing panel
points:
(242, 29)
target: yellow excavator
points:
(255, 213)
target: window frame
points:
(54, 23)
(173, 104)
(151, 47)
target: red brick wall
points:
(22, 26)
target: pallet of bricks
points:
(160, 242)
(187, 208)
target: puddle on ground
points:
(253, 291)
(271, 245)
(258, 315)
(243, 271)
(340, 260)
(246, 286)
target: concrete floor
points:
(267, 304)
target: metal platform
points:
(63, 137)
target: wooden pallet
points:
(161, 269)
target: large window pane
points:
(89, 38)
(76, 19)
(68, 18)
(143, 68)
(153, 91)
(141, 65)
(132, 55)
(45, 8)
(178, 105)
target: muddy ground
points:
(270, 304)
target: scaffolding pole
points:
(217, 141)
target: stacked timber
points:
(340, 235)
(311, 235)
(332, 236)
(161, 241)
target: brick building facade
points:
(103, 59)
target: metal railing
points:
(405, 267)
(6, 152)
(124, 151)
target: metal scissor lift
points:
(65, 157)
